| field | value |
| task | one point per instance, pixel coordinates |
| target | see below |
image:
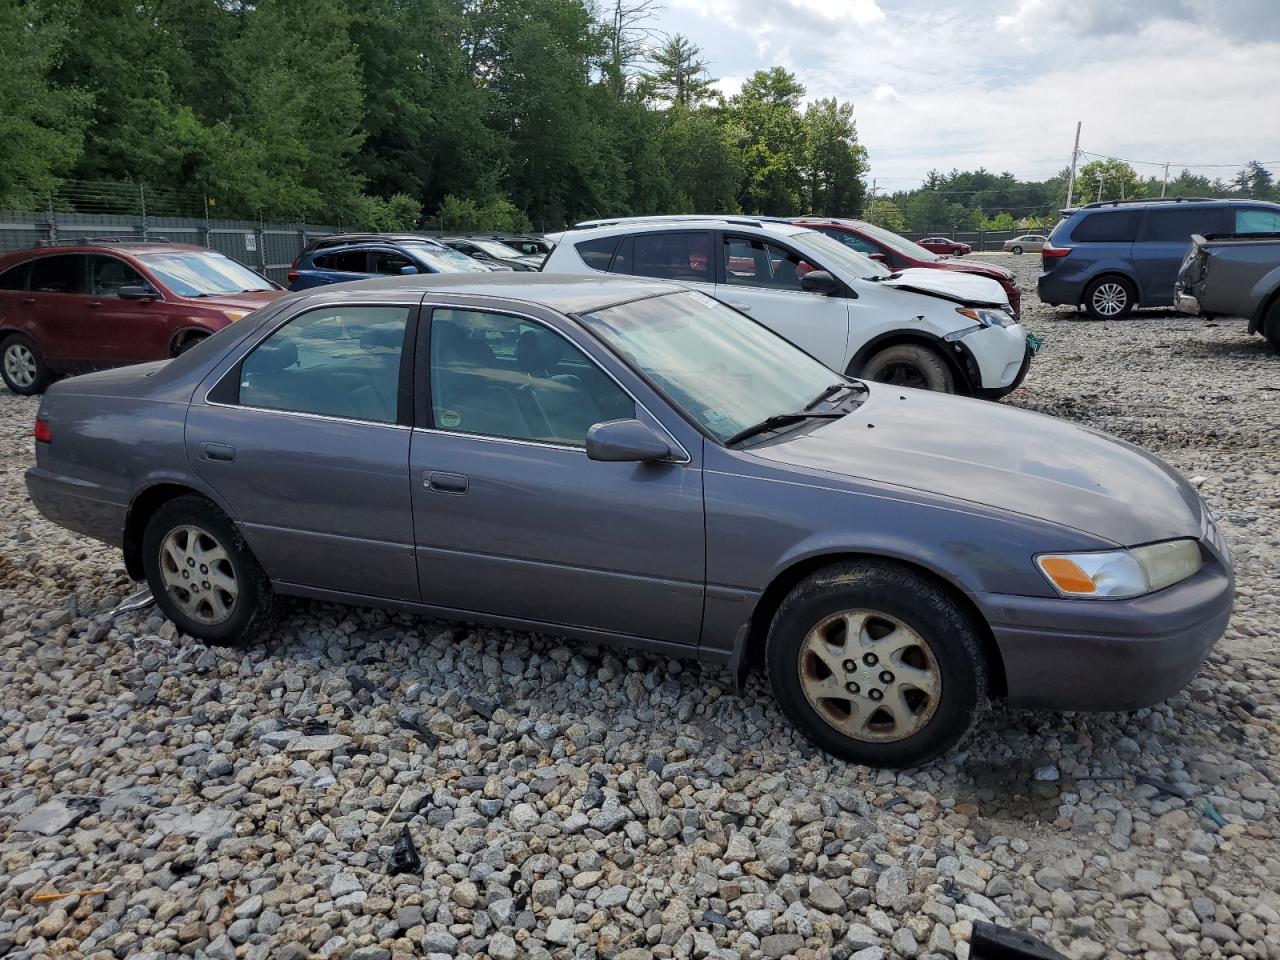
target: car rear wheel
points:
(21, 365)
(910, 365)
(1016, 250)
(1109, 298)
(183, 344)
(875, 665)
(1271, 324)
(203, 575)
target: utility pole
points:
(1099, 186)
(1166, 181)
(1075, 155)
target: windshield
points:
(901, 244)
(495, 249)
(204, 274)
(444, 259)
(725, 371)
(847, 261)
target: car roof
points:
(566, 293)
(783, 228)
(133, 248)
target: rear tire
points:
(903, 689)
(910, 365)
(203, 575)
(21, 365)
(187, 342)
(1110, 298)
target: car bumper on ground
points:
(1110, 654)
(1185, 303)
(76, 505)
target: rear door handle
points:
(28, 300)
(445, 482)
(94, 303)
(219, 452)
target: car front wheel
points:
(910, 365)
(21, 365)
(1017, 251)
(202, 573)
(1109, 298)
(875, 664)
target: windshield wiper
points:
(888, 276)
(778, 420)
(831, 391)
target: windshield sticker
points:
(714, 417)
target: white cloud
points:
(886, 94)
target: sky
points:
(1001, 83)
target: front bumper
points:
(1110, 654)
(998, 353)
(1185, 303)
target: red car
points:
(75, 307)
(899, 253)
(946, 247)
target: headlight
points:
(1119, 574)
(234, 315)
(986, 317)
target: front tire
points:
(1110, 298)
(875, 664)
(21, 365)
(1271, 324)
(910, 365)
(203, 575)
(1016, 251)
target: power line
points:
(1174, 163)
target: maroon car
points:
(75, 307)
(899, 253)
(945, 246)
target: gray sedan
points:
(1029, 241)
(632, 462)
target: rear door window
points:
(1177, 224)
(15, 278)
(344, 261)
(1256, 220)
(60, 274)
(672, 256)
(1107, 226)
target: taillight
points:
(293, 275)
(42, 432)
(1049, 250)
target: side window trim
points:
(226, 391)
(424, 415)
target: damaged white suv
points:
(931, 329)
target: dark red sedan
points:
(899, 253)
(75, 307)
(945, 246)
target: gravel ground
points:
(573, 801)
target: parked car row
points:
(631, 461)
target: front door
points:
(127, 331)
(763, 279)
(512, 519)
(307, 441)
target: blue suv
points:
(1116, 255)
(345, 257)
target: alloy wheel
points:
(20, 365)
(1110, 299)
(904, 375)
(870, 676)
(198, 575)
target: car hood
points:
(242, 301)
(979, 269)
(1002, 457)
(962, 287)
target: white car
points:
(932, 329)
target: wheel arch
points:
(184, 333)
(1257, 323)
(143, 507)
(749, 649)
(955, 354)
(1118, 274)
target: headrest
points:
(274, 355)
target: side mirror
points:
(480, 255)
(820, 281)
(878, 257)
(136, 292)
(625, 441)
(408, 269)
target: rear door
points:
(305, 437)
(1163, 241)
(762, 278)
(684, 256)
(58, 310)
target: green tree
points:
(680, 77)
(834, 160)
(1255, 181)
(1113, 179)
(772, 142)
(700, 155)
(883, 212)
(41, 124)
(493, 215)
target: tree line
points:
(493, 114)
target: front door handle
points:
(219, 452)
(740, 306)
(445, 482)
(28, 300)
(94, 303)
